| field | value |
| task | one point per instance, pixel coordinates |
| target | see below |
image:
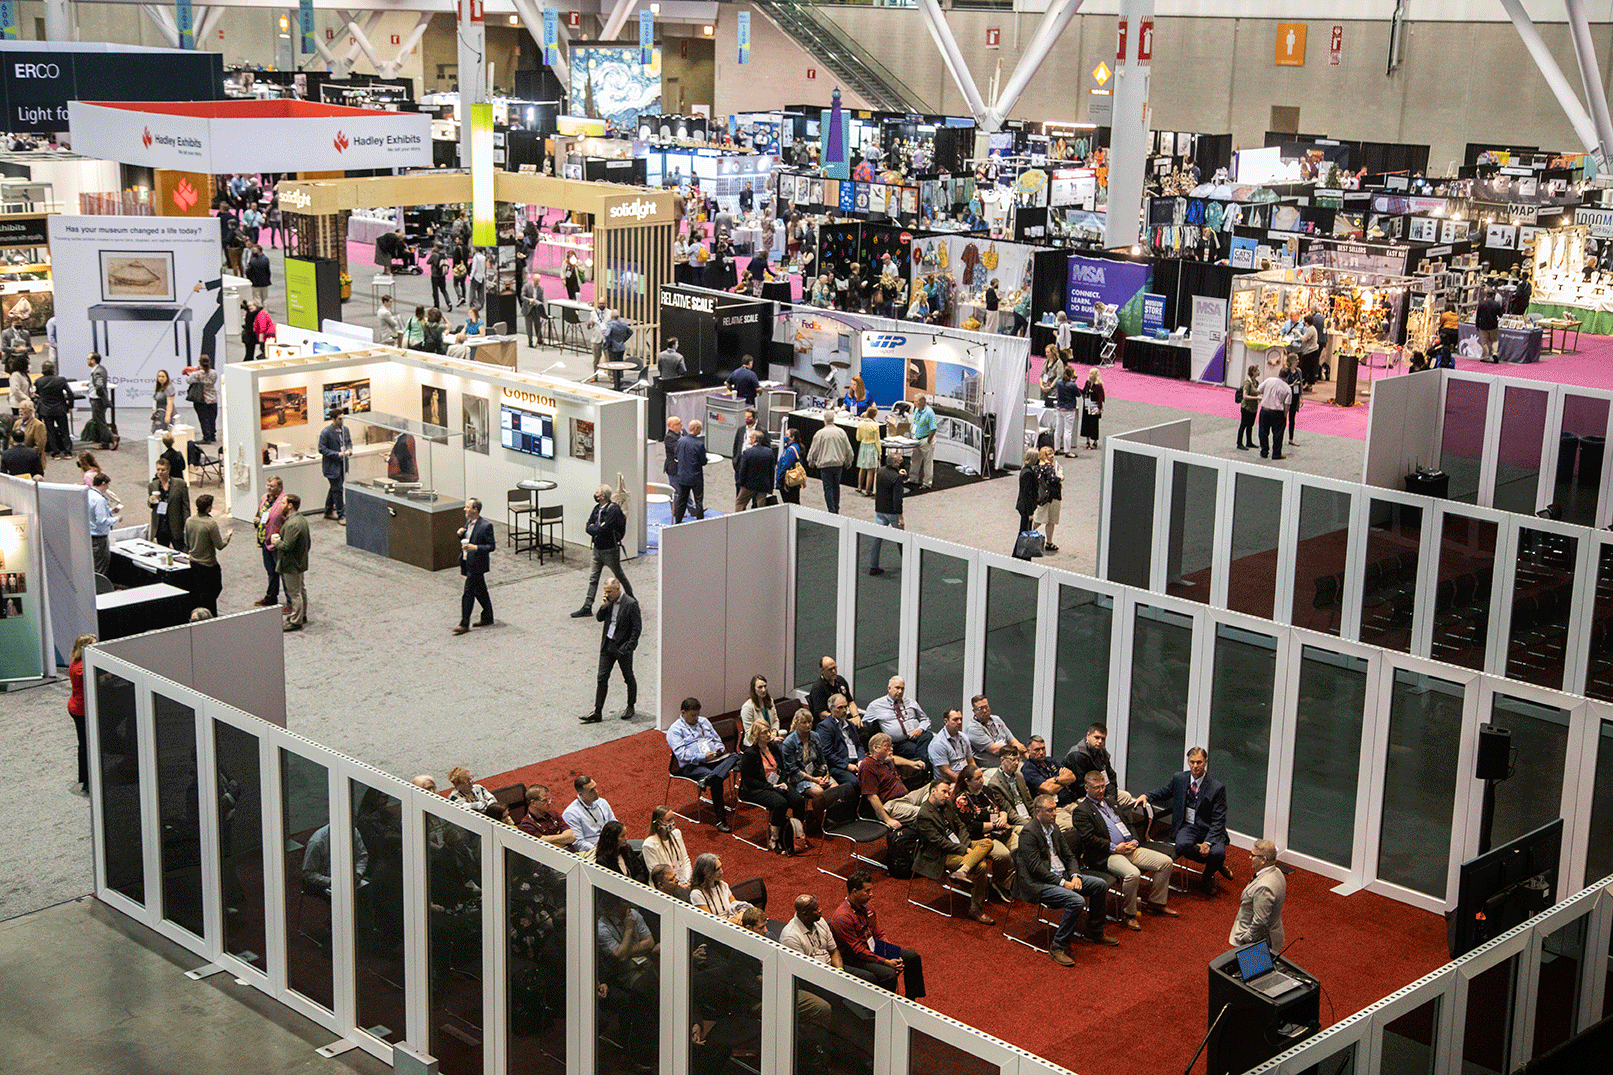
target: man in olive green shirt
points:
(291, 546)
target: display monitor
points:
(1504, 887)
(527, 431)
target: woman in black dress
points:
(1028, 482)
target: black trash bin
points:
(1567, 453)
(1591, 450)
(1429, 483)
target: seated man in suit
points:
(839, 738)
(1048, 872)
(944, 847)
(1198, 817)
(1107, 844)
(1010, 794)
(1260, 912)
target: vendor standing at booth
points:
(335, 445)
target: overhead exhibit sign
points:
(38, 83)
(250, 136)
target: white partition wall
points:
(398, 920)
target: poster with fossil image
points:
(137, 276)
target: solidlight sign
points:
(637, 210)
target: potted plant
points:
(347, 287)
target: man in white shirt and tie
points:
(701, 755)
(588, 814)
(903, 720)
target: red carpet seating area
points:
(1137, 1007)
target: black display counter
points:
(138, 609)
(1157, 358)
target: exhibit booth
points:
(427, 433)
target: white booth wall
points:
(396, 378)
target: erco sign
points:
(37, 70)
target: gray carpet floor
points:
(378, 676)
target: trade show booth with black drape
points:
(715, 331)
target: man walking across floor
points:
(1275, 396)
(924, 429)
(532, 308)
(335, 445)
(830, 454)
(754, 475)
(690, 479)
(475, 553)
(669, 441)
(606, 526)
(701, 756)
(1487, 319)
(888, 490)
(619, 613)
(258, 274)
(291, 546)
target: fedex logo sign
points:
(883, 343)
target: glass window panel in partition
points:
(943, 609)
(1192, 533)
(1425, 723)
(926, 1053)
(1410, 1041)
(879, 612)
(1320, 558)
(1161, 676)
(1242, 682)
(1257, 515)
(178, 812)
(831, 1026)
(1461, 449)
(1131, 518)
(536, 971)
(1557, 996)
(1327, 755)
(1342, 1062)
(1487, 1032)
(1517, 464)
(1599, 671)
(1010, 679)
(725, 1003)
(240, 843)
(1533, 795)
(454, 945)
(305, 820)
(1389, 586)
(378, 872)
(1081, 669)
(1582, 444)
(627, 963)
(1542, 596)
(1599, 854)
(116, 725)
(817, 605)
(1462, 593)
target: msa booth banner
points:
(1117, 284)
(250, 136)
(551, 35)
(126, 288)
(1209, 342)
(185, 23)
(305, 23)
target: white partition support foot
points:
(203, 972)
(336, 1048)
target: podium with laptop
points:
(1270, 1006)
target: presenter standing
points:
(1260, 911)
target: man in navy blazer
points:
(691, 476)
(1198, 816)
(475, 548)
(335, 445)
(839, 740)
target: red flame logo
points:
(185, 195)
(146, 137)
(341, 143)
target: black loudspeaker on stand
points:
(1495, 753)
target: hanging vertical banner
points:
(8, 19)
(185, 22)
(646, 36)
(744, 37)
(482, 229)
(551, 35)
(305, 11)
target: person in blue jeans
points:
(831, 454)
(888, 489)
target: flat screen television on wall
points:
(527, 432)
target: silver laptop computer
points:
(1259, 974)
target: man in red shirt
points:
(890, 799)
(863, 947)
(541, 820)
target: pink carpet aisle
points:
(1591, 367)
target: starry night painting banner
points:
(608, 82)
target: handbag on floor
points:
(1029, 545)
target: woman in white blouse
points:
(472, 795)
(664, 846)
(709, 892)
(759, 706)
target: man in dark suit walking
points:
(475, 548)
(1047, 870)
(690, 480)
(607, 525)
(335, 445)
(619, 613)
(1198, 817)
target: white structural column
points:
(532, 16)
(165, 23)
(361, 36)
(1048, 31)
(1590, 74)
(472, 37)
(1128, 130)
(618, 19)
(59, 21)
(942, 34)
(1577, 116)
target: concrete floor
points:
(377, 675)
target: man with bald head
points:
(674, 433)
(689, 478)
(425, 782)
(903, 719)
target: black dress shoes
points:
(592, 718)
